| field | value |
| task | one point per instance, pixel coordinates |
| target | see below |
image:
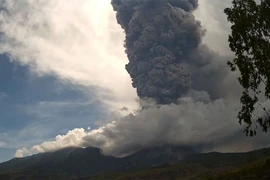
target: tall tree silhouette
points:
(250, 41)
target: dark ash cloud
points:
(163, 45)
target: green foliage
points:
(250, 41)
(253, 171)
(187, 171)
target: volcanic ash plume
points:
(168, 63)
(163, 45)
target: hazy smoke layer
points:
(163, 45)
(182, 124)
(194, 122)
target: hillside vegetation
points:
(159, 163)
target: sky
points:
(35, 109)
(63, 79)
(49, 76)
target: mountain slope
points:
(84, 162)
(68, 160)
(81, 162)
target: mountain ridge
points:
(90, 161)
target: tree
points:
(250, 41)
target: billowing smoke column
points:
(163, 47)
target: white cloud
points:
(72, 138)
(45, 120)
(21, 152)
(78, 41)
